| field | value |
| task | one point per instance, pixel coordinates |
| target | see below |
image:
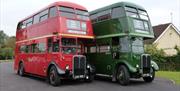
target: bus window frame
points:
(56, 11)
(128, 9)
(106, 13)
(29, 22)
(61, 12)
(120, 15)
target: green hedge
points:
(169, 66)
(165, 63)
(6, 53)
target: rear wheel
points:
(54, 78)
(122, 75)
(21, 69)
(151, 77)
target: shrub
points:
(6, 53)
(157, 55)
(170, 63)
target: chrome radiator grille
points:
(146, 63)
(79, 66)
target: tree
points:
(3, 38)
(6, 53)
(10, 42)
(7, 45)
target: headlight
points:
(137, 66)
(88, 66)
(67, 67)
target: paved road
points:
(9, 81)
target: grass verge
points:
(169, 75)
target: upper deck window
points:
(29, 22)
(25, 23)
(94, 17)
(82, 14)
(100, 16)
(131, 9)
(52, 12)
(44, 15)
(141, 26)
(133, 12)
(21, 25)
(143, 14)
(66, 9)
(104, 15)
(117, 12)
(36, 19)
(73, 13)
(67, 12)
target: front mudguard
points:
(59, 70)
(154, 65)
(129, 66)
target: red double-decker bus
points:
(50, 43)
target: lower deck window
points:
(93, 49)
(104, 48)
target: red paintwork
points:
(37, 63)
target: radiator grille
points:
(146, 63)
(79, 66)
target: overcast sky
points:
(12, 11)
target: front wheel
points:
(54, 78)
(151, 77)
(122, 75)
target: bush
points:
(6, 53)
(170, 63)
(157, 55)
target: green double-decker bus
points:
(118, 49)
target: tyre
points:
(122, 75)
(53, 77)
(21, 69)
(150, 78)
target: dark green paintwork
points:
(119, 27)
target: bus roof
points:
(59, 3)
(122, 4)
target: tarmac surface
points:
(10, 81)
